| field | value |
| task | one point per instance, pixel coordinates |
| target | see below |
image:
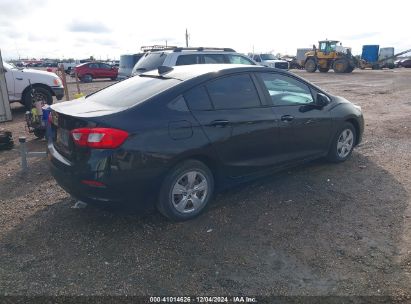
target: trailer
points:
(380, 60)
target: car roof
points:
(186, 72)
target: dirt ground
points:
(320, 229)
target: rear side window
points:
(214, 58)
(233, 92)
(188, 59)
(150, 62)
(131, 91)
(236, 59)
(93, 66)
(197, 99)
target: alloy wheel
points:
(189, 192)
(345, 143)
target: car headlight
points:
(358, 107)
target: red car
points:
(88, 71)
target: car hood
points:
(82, 107)
(36, 76)
(274, 60)
(37, 72)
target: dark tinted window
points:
(93, 65)
(285, 90)
(105, 66)
(197, 99)
(131, 91)
(214, 58)
(233, 92)
(188, 59)
(150, 62)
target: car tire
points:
(186, 191)
(40, 94)
(343, 143)
(310, 66)
(113, 78)
(87, 78)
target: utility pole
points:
(186, 38)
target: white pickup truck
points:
(20, 82)
(269, 60)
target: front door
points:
(305, 129)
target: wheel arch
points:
(37, 85)
(356, 125)
(207, 160)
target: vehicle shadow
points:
(319, 229)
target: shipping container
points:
(370, 53)
(386, 53)
(301, 54)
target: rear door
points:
(305, 130)
(242, 130)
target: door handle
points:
(287, 118)
(219, 123)
(18, 78)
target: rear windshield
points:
(132, 91)
(149, 62)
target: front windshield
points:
(268, 57)
(8, 66)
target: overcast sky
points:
(107, 29)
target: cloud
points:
(88, 27)
(13, 9)
(361, 36)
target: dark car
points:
(406, 63)
(168, 138)
(88, 71)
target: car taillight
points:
(99, 138)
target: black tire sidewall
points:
(333, 153)
(28, 103)
(166, 207)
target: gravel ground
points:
(320, 229)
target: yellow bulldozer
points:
(330, 55)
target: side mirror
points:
(322, 100)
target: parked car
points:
(86, 72)
(406, 63)
(269, 60)
(188, 56)
(174, 135)
(20, 83)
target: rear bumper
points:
(135, 192)
(58, 91)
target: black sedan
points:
(170, 137)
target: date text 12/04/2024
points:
(204, 299)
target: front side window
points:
(105, 66)
(188, 59)
(214, 58)
(233, 92)
(285, 90)
(93, 65)
(236, 59)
